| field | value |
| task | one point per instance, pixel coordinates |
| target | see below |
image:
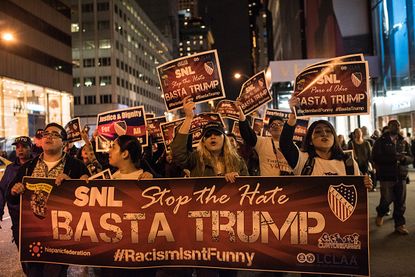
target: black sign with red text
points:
(197, 75)
(112, 124)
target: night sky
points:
(229, 24)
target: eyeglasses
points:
(276, 124)
(54, 135)
(208, 134)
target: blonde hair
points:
(228, 156)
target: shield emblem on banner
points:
(342, 200)
(209, 67)
(357, 78)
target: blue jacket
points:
(9, 174)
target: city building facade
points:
(116, 49)
(260, 28)
(394, 30)
(307, 31)
(35, 67)
(165, 15)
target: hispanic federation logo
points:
(342, 200)
(357, 78)
(36, 248)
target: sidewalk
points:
(391, 254)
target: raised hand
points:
(242, 117)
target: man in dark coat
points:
(392, 155)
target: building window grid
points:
(126, 68)
(88, 62)
(90, 99)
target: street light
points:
(6, 36)
(238, 75)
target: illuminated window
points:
(74, 27)
(89, 44)
(104, 44)
(89, 81)
(104, 80)
(76, 82)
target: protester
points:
(52, 163)
(392, 155)
(87, 155)
(376, 134)
(366, 136)
(321, 154)
(342, 142)
(37, 143)
(153, 158)
(125, 155)
(71, 149)
(362, 151)
(214, 155)
(23, 154)
(413, 151)
(271, 160)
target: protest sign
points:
(341, 59)
(150, 115)
(199, 121)
(254, 93)
(197, 75)
(73, 129)
(228, 109)
(154, 130)
(257, 126)
(168, 131)
(333, 89)
(296, 224)
(112, 124)
(237, 132)
(300, 128)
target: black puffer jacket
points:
(391, 160)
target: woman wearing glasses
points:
(214, 156)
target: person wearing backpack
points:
(321, 153)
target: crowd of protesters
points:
(382, 157)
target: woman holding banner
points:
(125, 155)
(214, 155)
(321, 153)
